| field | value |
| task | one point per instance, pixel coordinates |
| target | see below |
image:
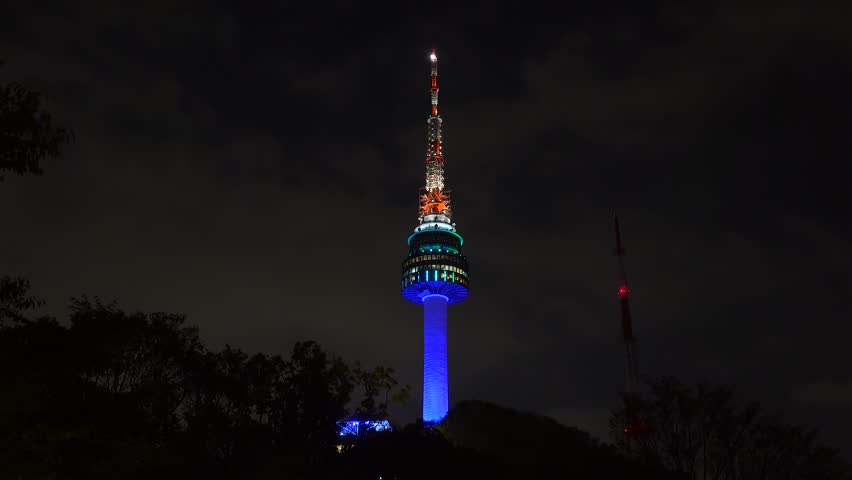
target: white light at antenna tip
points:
(433, 57)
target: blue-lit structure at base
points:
(357, 428)
(435, 273)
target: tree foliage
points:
(28, 134)
(15, 299)
(113, 394)
(704, 433)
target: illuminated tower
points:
(434, 274)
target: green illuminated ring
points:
(461, 240)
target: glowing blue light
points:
(357, 427)
(435, 388)
(415, 290)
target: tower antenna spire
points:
(435, 201)
(434, 89)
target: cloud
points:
(825, 393)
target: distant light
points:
(433, 57)
(622, 291)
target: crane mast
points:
(631, 379)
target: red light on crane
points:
(623, 291)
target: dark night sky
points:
(257, 170)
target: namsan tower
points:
(435, 273)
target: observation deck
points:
(435, 264)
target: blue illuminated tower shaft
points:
(436, 397)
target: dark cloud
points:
(825, 394)
(257, 170)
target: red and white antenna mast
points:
(435, 201)
(631, 380)
(434, 89)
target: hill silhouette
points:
(482, 440)
(525, 443)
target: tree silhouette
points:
(377, 385)
(27, 132)
(703, 433)
(113, 394)
(15, 299)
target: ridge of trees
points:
(703, 432)
(117, 394)
(111, 394)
